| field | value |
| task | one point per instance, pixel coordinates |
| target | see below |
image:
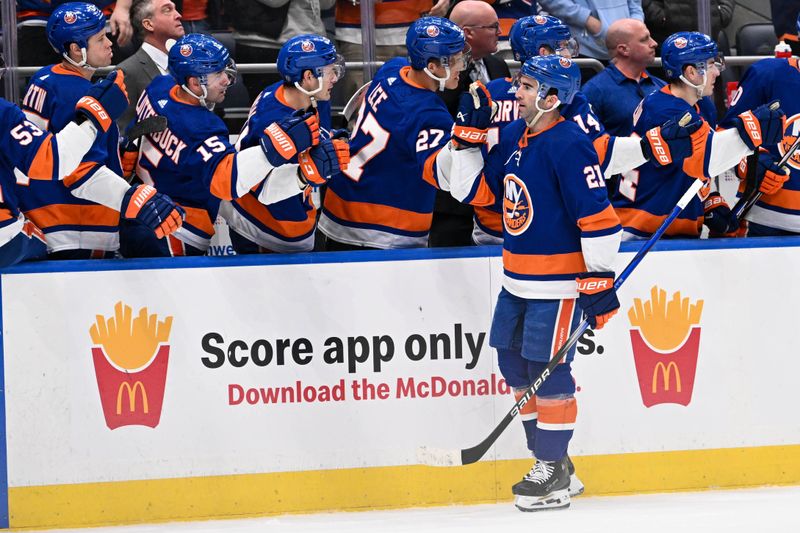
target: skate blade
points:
(555, 500)
(576, 486)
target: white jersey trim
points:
(541, 290)
(241, 225)
(774, 219)
(58, 241)
(383, 36)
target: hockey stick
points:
(746, 203)
(354, 103)
(437, 457)
(147, 126)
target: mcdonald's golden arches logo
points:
(665, 337)
(130, 357)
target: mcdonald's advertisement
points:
(184, 372)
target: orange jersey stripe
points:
(784, 199)
(42, 165)
(557, 411)
(79, 173)
(221, 181)
(427, 169)
(200, 219)
(63, 214)
(605, 219)
(601, 147)
(382, 215)
(489, 219)
(649, 223)
(484, 195)
(286, 228)
(5, 215)
(542, 265)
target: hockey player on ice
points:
(558, 227)
(310, 67)
(80, 216)
(545, 35)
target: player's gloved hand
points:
(769, 177)
(475, 112)
(761, 126)
(105, 101)
(671, 141)
(283, 140)
(718, 216)
(155, 210)
(340, 134)
(128, 160)
(322, 162)
(597, 297)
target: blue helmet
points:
(74, 22)
(307, 52)
(553, 72)
(687, 48)
(198, 55)
(433, 38)
(530, 33)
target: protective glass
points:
(337, 68)
(570, 46)
(231, 71)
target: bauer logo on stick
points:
(665, 337)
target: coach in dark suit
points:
(452, 221)
(156, 22)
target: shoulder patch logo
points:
(517, 207)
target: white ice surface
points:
(773, 509)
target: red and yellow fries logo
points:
(130, 361)
(666, 341)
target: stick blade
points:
(438, 457)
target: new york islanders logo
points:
(186, 50)
(790, 134)
(539, 19)
(70, 17)
(565, 62)
(432, 31)
(517, 207)
(665, 337)
(681, 42)
(307, 46)
(130, 362)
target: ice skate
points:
(546, 486)
(575, 484)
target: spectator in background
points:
(155, 22)
(589, 20)
(508, 12)
(666, 17)
(260, 27)
(392, 20)
(784, 14)
(194, 16)
(452, 220)
(32, 46)
(616, 91)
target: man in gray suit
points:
(156, 22)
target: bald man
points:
(452, 221)
(616, 91)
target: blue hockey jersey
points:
(385, 197)
(27, 153)
(288, 225)
(557, 219)
(69, 223)
(647, 195)
(192, 161)
(767, 80)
